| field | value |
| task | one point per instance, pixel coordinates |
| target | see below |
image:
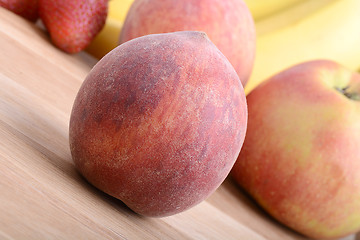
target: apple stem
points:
(349, 94)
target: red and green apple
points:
(301, 156)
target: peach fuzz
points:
(159, 122)
(229, 25)
(300, 159)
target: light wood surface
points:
(42, 195)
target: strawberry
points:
(73, 24)
(25, 8)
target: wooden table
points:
(43, 196)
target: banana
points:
(330, 32)
(289, 16)
(118, 9)
(260, 8)
(108, 38)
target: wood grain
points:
(42, 195)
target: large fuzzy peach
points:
(159, 122)
(301, 155)
(228, 24)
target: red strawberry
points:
(25, 8)
(73, 24)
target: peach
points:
(229, 25)
(301, 156)
(159, 122)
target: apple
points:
(159, 122)
(229, 25)
(301, 156)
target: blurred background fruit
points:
(228, 24)
(118, 9)
(25, 8)
(261, 8)
(287, 32)
(322, 29)
(73, 25)
(108, 38)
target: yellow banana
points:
(118, 9)
(289, 16)
(329, 32)
(108, 38)
(260, 8)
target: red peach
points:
(159, 122)
(229, 25)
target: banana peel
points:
(108, 38)
(118, 9)
(261, 9)
(330, 32)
